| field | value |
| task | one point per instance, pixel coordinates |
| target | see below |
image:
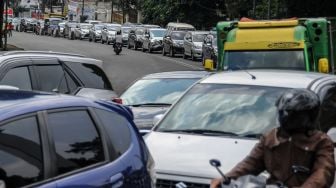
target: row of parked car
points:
(177, 38)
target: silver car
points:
(192, 44)
(109, 32)
(82, 31)
(56, 72)
(152, 40)
(95, 32)
(223, 116)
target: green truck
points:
(294, 44)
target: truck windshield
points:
(284, 59)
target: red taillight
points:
(117, 100)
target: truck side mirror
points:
(323, 65)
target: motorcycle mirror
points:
(215, 163)
(300, 169)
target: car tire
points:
(149, 49)
(193, 57)
(143, 49)
(171, 52)
(185, 56)
(163, 51)
(102, 41)
(90, 39)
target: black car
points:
(135, 37)
(55, 72)
(173, 43)
(209, 49)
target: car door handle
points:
(117, 180)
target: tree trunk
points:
(2, 4)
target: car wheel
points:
(149, 49)
(102, 41)
(193, 57)
(90, 39)
(143, 49)
(163, 51)
(185, 56)
(171, 52)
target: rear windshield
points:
(91, 75)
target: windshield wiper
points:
(151, 104)
(252, 135)
(202, 132)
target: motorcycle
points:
(250, 181)
(117, 48)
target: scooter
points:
(250, 181)
(117, 48)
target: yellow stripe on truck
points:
(285, 23)
(274, 45)
(271, 34)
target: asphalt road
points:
(121, 69)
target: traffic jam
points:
(260, 113)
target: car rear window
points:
(91, 75)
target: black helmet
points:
(298, 110)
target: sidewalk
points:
(12, 48)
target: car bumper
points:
(86, 35)
(197, 52)
(156, 47)
(178, 49)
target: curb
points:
(11, 47)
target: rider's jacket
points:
(277, 152)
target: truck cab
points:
(297, 44)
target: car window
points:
(20, 153)
(51, 78)
(117, 129)
(178, 35)
(18, 77)
(91, 75)
(77, 142)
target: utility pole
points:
(269, 9)
(254, 9)
(82, 17)
(51, 4)
(6, 25)
(111, 11)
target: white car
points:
(109, 32)
(222, 117)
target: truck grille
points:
(160, 183)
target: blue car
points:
(49, 140)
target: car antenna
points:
(252, 76)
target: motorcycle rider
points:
(296, 142)
(118, 39)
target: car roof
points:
(174, 24)
(274, 78)
(60, 55)
(157, 29)
(177, 74)
(19, 102)
(199, 32)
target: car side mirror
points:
(189, 39)
(332, 134)
(157, 118)
(146, 35)
(167, 37)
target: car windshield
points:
(158, 33)
(139, 32)
(99, 27)
(112, 28)
(72, 25)
(156, 91)
(238, 109)
(286, 59)
(85, 26)
(61, 24)
(126, 30)
(55, 22)
(198, 37)
(178, 35)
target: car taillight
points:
(117, 100)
